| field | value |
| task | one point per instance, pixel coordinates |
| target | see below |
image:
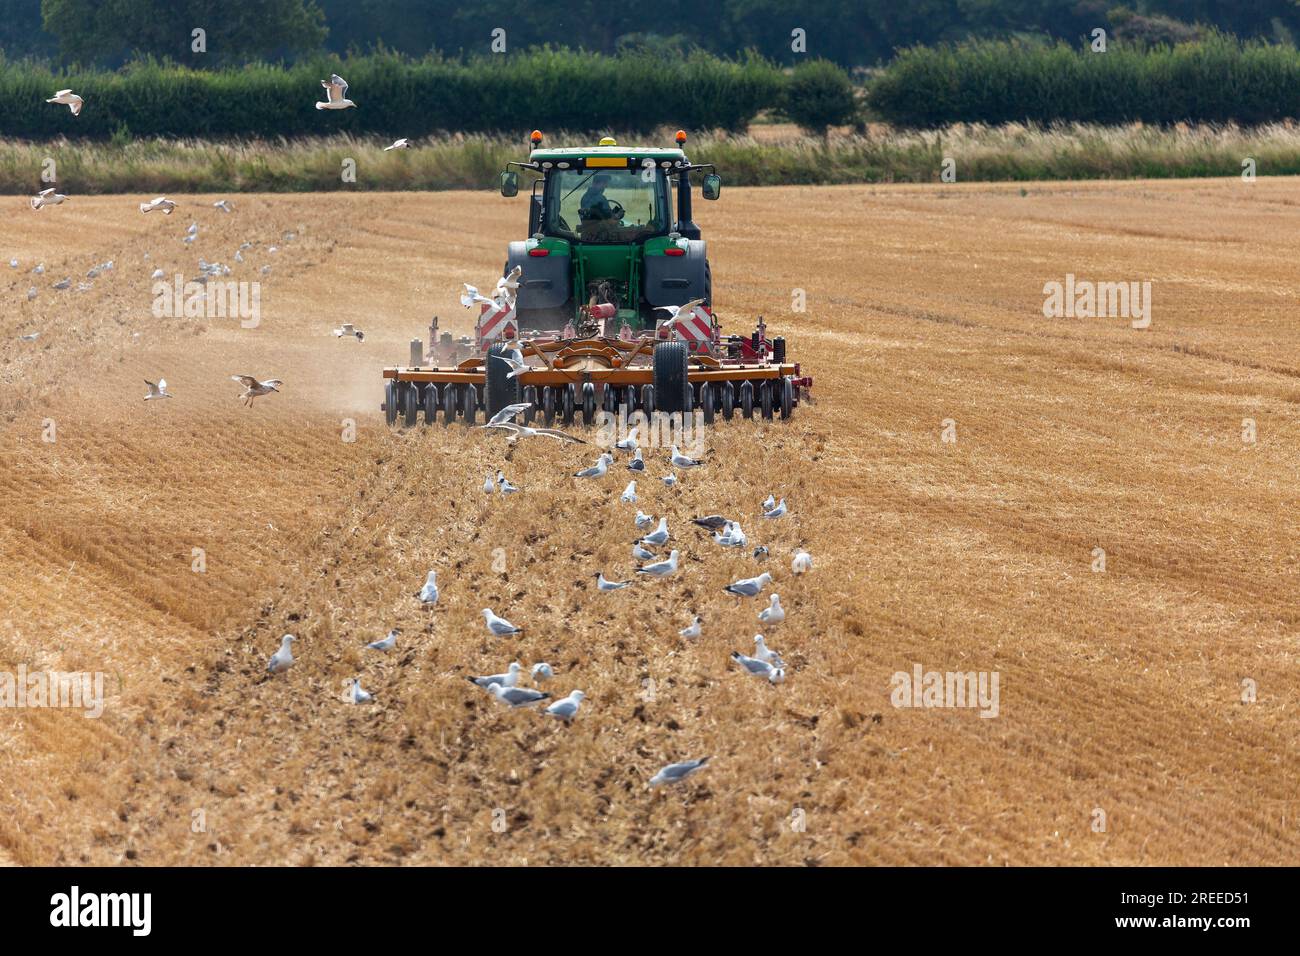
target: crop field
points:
(1103, 518)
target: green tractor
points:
(608, 304)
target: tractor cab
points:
(608, 225)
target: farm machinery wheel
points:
(648, 401)
(469, 406)
(588, 403)
(787, 397)
(728, 400)
(630, 398)
(747, 399)
(530, 396)
(390, 403)
(548, 405)
(706, 402)
(570, 400)
(448, 404)
(430, 403)
(500, 389)
(410, 404)
(672, 386)
(765, 399)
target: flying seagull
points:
(69, 99)
(471, 296)
(509, 679)
(677, 772)
(282, 659)
(499, 626)
(516, 362)
(566, 708)
(161, 204)
(398, 144)
(679, 311)
(387, 642)
(29, 337)
(223, 205)
(507, 286)
(254, 388)
(47, 197)
(348, 329)
(525, 431)
(157, 391)
(336, 89)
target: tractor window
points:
(605, 205)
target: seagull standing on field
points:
(336, 89)
(542, 672)
(398, 144)
(509, 679)
(669, 480)
(659, 535)
(637, 463)
(628, 443)
(489, 484)
(802, 562)
(748, 587)
(597, 470)
(504, 484)
(47, 197)
(682, 461)
(629, 493)
(677, 772)
(758, 668)
(693, 631)
(359, 696)
(764, 653)
(499, 626)
(603, 585)
(157, 391)
(517, 696)
(644, 520)
(162, 204)
(254, 388)
(429, 593)
(774, 613)
(387, 642)
(566, 708)
(641, 554)
(770, 503)
(282, 659)
(69, 99)
(777, 512)
(660, 569)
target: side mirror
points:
(510, 183)
(712, 188)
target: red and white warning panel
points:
(495, 323)
(696, 329)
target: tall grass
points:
(982, 153)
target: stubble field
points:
(1120, 691)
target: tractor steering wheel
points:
(617, 209)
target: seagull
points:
(507, 414)
(516, 362)
(712, 522)
(669, 480)
(336, 89)
(359, 696)
(682, 461)
(802, 562)
(157, 391)
(489, 484)
(387, 642)
(693, 631)
(499, 626)
(398, 144)
(192, 229)
(637, 463)
(770, 503)
(603, 585)
(282, 659)
(524, 431)
(628, 443)
(661, 569)
(254, 388)
(63, 284)
(509, 679)
(748, 587)
(239, 256)
(644, 520)
(13, 263)
(731, 536)
(47, 197)
(162, 204)
(659, 535)
(566, 708)
(504, 485)
(507, 286)
(517, 696)
(347, 328)
(753, 665)
(31, 293)
(764, 653)
(40, 269)
(776, 512)
(679, 311)
(223, 205)
(641, 554)
(69, 99)
(157, 274)
(774, 613)
(677, 772)
(472, 296)
(33, 336)
(761, 553)
(429, 592)
(629, 493)
(542, 672)
(598, 469)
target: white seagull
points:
(542, 672)
(566, 708)
(509, 679)
(629, 493)
(516, 362)
(679, 311)
(644, 520)
(508, 286)
(641, 554)
(161, 204)
(603, 585)
(429, 592)
(489, 484)
(661, 568)
(777, 512)
(518, 431)
(157, 391)
(764, 653)
(748, 587)
(47, 197)
(472, 296)
(348, 329)
(504, 484)
(677, 772)
(387, 642)
(628, 443)
(597, 470)
(336, 89)
(223, 205)
(398, 144)
(499, 626)
(359, 696)
(770, 503)
(802, 562)
(254, 388)
(659, 535)
(774, 613)
(758, 668)
(669, 480)
(282, 659)
(517, 696)
(637, 463)
(69, 99)
(682, 461)
(693, 631)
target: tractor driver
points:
(594, 205)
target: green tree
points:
(818, 95)
(91, 31)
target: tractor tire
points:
(501, 389)
(448, 404)
(765, 399)
(747, 399)
(728, 400)
(570, 401)
(672, 385)
(648, 401)
(588, 403)
(787, 397)
(430, 403)
(390, 403)
(530, 396)
(469, 404)
(548, 406)
(706, 402)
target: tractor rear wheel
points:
(502, 390)
(787, 396)
(747, 399)
(728, 400)
(390, 402)
(672, 384)
(448, 404)
(765, 399)
(430, 403)
(548, 405)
